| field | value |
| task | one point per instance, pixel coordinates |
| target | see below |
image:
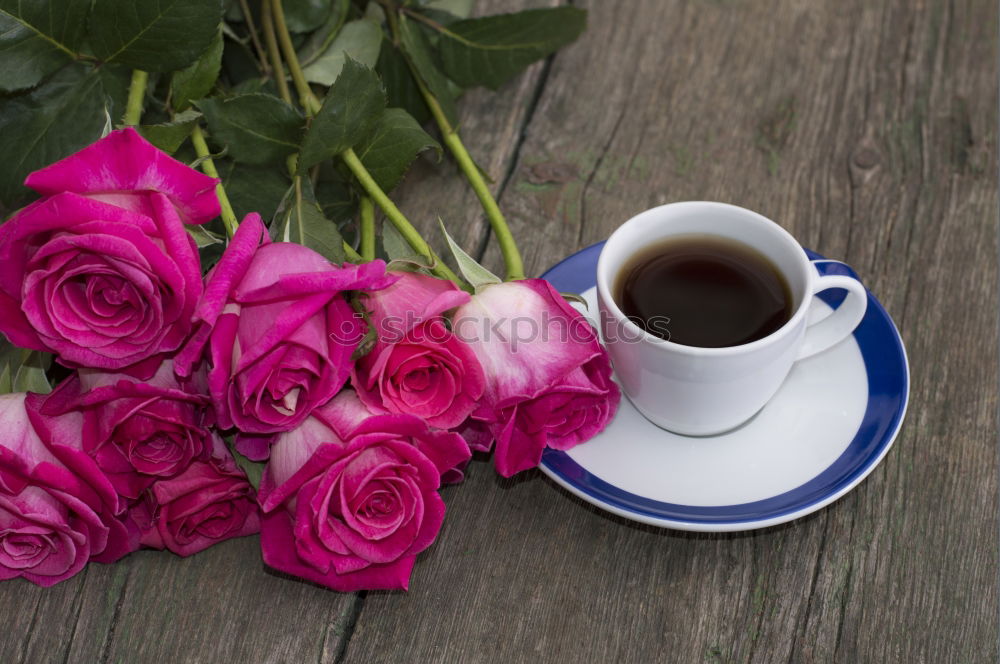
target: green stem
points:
(367, 229)
(353, 255)
(136, 94)
(394, 215)
(306, 97)
(252, 29)
(207, 165)
(390, 14)
(513, 264)
(273, 53)
(312, 106)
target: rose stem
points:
(367, 214)
(252, 29)
(273, 52)
(312, 105)
(207, 165)
(136, 94)
(513, 264)
(133, 115)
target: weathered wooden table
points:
(869, 130)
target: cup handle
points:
(836, 327)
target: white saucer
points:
(830, 424)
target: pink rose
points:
(136, 431)
(209, 502)
(127, 171)
(276, 330)
(350, 498)
(101, 271)
(57, 510)
(548, 379)
(418, 366)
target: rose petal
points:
(123, 161)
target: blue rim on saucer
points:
(888, 390)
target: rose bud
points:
(276, 330)
(57, 510)
(211, 501)
(417, 365)
(100, 271)
(136, 431)
(548, 379)
(350, 499)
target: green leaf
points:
(37, 38)
(23, 370)
(52, 122)
(351, 107)
(257, 128)
(359, 39)
(399, 252)
(253, 469)
(441, 18)
(374, 12)
(238, 63)
(321, 39)
(253, 188)
(154, 35)
(114, 82)
(9, 356)
(491, 50)
(459, 8)
(396, 247)
(400, 86)
(418, 52)
(197, 80)
(30, 375)
(6, 382)
(169, 136)
(336, 198)
(393, 144)
(306, 15)
(203, 237)
(477, 275)
(300, 220)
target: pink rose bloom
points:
(127, 171)
(548, 379)
(418, 366)
(276, 330)
(101, 271)
(57, 510)
(211, 501)
(350, 498)
(136, 431)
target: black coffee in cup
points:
(704, 290)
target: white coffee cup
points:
(705, 391)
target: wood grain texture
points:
(220, 605)
(868, 129)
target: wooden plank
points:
(152, 606)
(224, 606)
(42, 623)
(869, 131)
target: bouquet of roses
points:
(218, 378)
